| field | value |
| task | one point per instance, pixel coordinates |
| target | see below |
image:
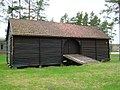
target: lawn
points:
(99, 76)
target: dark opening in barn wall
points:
(71, 46)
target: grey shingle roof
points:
(53, 29)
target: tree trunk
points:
(12, 10)
(19, 9)
(29, 9)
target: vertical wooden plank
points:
(11, 50)
(108, 50)
(39, 51)
(95, 50)
(61, 50)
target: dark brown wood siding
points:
(26, 51)
(102, 47)
(88, 48)
(50, 51)
(36, 51)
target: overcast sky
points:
(58, 8)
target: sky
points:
(58, 8)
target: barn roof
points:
(53, 29)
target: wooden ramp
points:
(80, 59)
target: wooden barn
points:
(39, 43)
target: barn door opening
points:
(71, 47)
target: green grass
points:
(100, 76)
(114, 57)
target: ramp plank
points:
(80, 59)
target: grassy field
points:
(100, 76)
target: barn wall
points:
(50, 51)
(88, 48)
(102, 47)
(95, 48)
(35, 51)
(26, 51)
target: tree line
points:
(109, 19)
(25, 9)
(34, 9)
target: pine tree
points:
(94, 19)
(15, 9)
(64, 18)
(85, 20)
(79, 18)
(40, 8)
(90, 20)
(29, 9)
